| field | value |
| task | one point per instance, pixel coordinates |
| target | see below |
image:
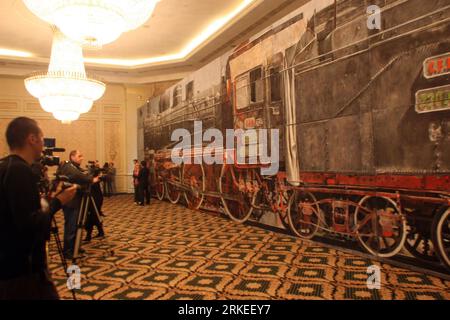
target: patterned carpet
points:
(169, 252)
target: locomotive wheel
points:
(441, 236)
(380, 226)
(194, 177)
(173, 193)
(240, 209)
(283, 199)
(419, 242)
(303, 218)
(159, 187)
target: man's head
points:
(143, 164)
(136, 161)
(76, 157)
(24, 135)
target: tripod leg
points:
(110, 251)
(61, 253)
(80, 225)
(95, 209)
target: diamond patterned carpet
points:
(169, 252)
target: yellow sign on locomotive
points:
(434, 99)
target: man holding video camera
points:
(72, 170)
(24, 224)
(97, 195)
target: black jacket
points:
(143, 177)
(76, 175)
(23, 227)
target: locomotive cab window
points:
(164, 103)
(249, 89)
(190, 91)
(242, 92)
(176, 96)
(275, 85)
(256, 86)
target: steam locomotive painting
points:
(364, 122)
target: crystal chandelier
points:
(65, 90)
(93, 22)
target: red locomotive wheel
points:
(421, 247)
(173, 193)
(303, 214)
(419, 241)
(441, 236)
(159, 187)
(380, 226)
(193, 177)
(283, 201)
(238, 204)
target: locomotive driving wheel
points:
(194, 178)
(173, 192)
(303, 214)
(380, 226)
(441, 235)
(283, 199)
(419, 241)
(237, 203)
(159, 186)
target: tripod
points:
(54, 231)
(87, 203)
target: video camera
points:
(48, 159)
(94, 170)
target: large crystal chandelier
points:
(93, 22)
(65, 90)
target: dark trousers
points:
(144, 194)
(91, 221)
(34, 286)
(70, 228)
(136, 193)
(107, 188)
(97, 196)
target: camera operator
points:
(97, 195)
(24, 226)
(72, 170)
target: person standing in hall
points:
(72, 169)
(144, 194)
(112, 177)
(136, 181)
(151, 173)
(106, 180)
(25, 221)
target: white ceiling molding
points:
(178, 16)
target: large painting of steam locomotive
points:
(364, 122)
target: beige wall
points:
(106, 133)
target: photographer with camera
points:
(72, 170)
(24, 225)
(97, 196)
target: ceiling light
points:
(93, 22)
(15, 53)
(65, 90)
(191, 46)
